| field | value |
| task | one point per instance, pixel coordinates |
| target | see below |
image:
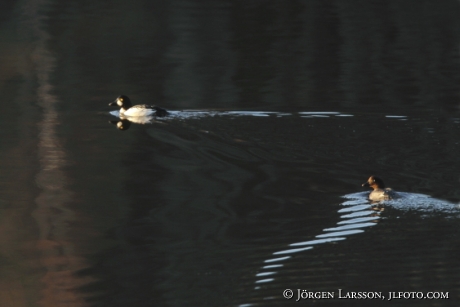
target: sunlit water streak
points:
(194, 114)
(186, 114)
(350, 225)
(189, 114)
(417, 202)
(124, 122)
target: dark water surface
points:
(256, 187)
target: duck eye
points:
(121, 99)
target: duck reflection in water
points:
(124, 122)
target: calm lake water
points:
(252, 185)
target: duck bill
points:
(366, 184)
(113, 103)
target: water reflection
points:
(122, 124)
(56, 261)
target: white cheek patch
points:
(119, 102)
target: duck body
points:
(385, 194)
(380, 192)
(127, 109)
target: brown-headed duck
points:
(380, 192)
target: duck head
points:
(122, 101)
(375, 183)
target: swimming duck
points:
(127, 109)
(380, 192)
